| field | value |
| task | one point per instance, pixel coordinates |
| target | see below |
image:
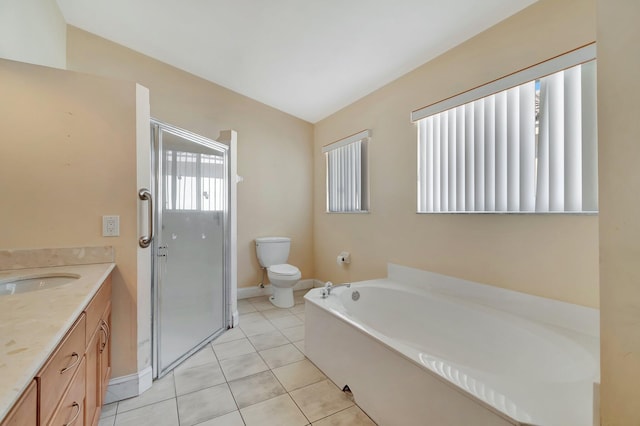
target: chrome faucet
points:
(326, 290)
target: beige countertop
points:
(33, 324)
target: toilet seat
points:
(284, 270)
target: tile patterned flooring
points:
(255, 374)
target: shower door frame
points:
(156, 263)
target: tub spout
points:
(326, 290)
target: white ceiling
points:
(308, 58)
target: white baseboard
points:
(246, 292)
(124, 387)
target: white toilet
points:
(272, 254)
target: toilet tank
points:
(272, 250)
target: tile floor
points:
(255, 374)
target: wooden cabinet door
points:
(98, 353)
(93, 390)
(25, 411)
(105, 354)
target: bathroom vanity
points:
(55, 352)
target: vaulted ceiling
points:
(308, 58)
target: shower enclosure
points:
(191, 285)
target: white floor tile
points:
(276, 313)
(256, 388)
(297, 309)
(162, 413)
(278, 411)
(230, 335)
(298, 374)
(245, 306)
(209, 391)
(320, 400)
(205, 404)
(203, 356)
(197, 378)
(294, 333)
(233, 349)
(242, 366)
(251, 317)
(161, 390)
(231, 419)
(107, 421)
(257, 327)
(281, 355)
(286, 322)
(268, 340)
(264, 306)
(109, 410)
(352, 416)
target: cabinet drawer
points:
(25, 412)
(96, 308)
(60, 369)
(71, 409)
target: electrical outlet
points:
(110, 226)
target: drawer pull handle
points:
(73, 364)
(73, 420)
(106, 338)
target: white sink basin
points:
(32, 282)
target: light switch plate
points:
(110, 226)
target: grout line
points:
(340, 411)
(299, 408)
(281, 384)
(221, 370)
(177, 411)
(235, 401)
(175, 392)
(146, 405)
(242, 418)
(287, 392)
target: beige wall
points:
(619, 156)
(33, 31)
(67, 157)
(274, 149)
(552, 256)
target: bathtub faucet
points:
(326, 290)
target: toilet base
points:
(282, 297)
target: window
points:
(347, 175)
(524, 143)
(194, 181)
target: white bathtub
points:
(420, 348)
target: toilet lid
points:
(284, 269)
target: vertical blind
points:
(530, 148)
(346, 165)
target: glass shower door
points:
(190, 283)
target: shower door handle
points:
(145, 195)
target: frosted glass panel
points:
(190, 276)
